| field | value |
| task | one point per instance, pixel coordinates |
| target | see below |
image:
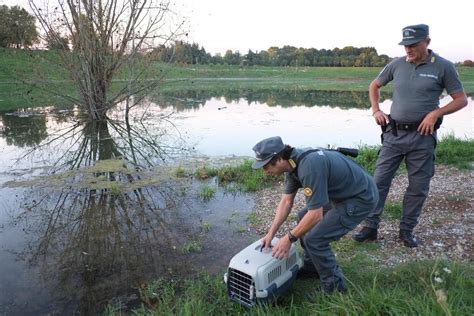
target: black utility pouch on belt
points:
(393, 128)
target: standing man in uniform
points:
(326, 177)
(409, 131)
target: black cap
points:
(266, 149)
(413, 34)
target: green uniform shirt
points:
(328, 176)
(417, 88)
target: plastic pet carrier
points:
(255, 276)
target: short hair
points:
(284, 154)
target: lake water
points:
(232, 128)
(73, 239)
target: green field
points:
(33, 78)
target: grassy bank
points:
(422, 288)
(195, 77)
(23, 74)
(450, 151)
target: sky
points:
(241, 25)
(219, 25)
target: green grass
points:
(450, 151)
(237, 178)
(455, 152)
(253, 219)
(23, 73)
(301, 78)
(180, 172)
(392, 210)
(199, 77)
(206, 227)
(205, 172)
(192, 247)
(246, 178)
(367, 157)
(207, 192)
(417, 288)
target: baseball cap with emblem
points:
(414, 33)
(266, 149)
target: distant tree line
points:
(186, 53)
(18, 30)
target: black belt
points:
(407, 126)
(397, 126)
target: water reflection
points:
(70, 141)
(91, 245)
(24, 130)
(103, 217)
(186, 100)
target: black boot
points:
(339, 286)
(327, 289)
(408, 239)
(366, 234)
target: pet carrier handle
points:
(261, 247)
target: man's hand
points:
(267, 241)
(381, 118)
(282, 248)
(427, 126)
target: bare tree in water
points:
(105, 47)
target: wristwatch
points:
(291, 237)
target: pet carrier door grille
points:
(241, 287)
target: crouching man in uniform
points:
(327, 177)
